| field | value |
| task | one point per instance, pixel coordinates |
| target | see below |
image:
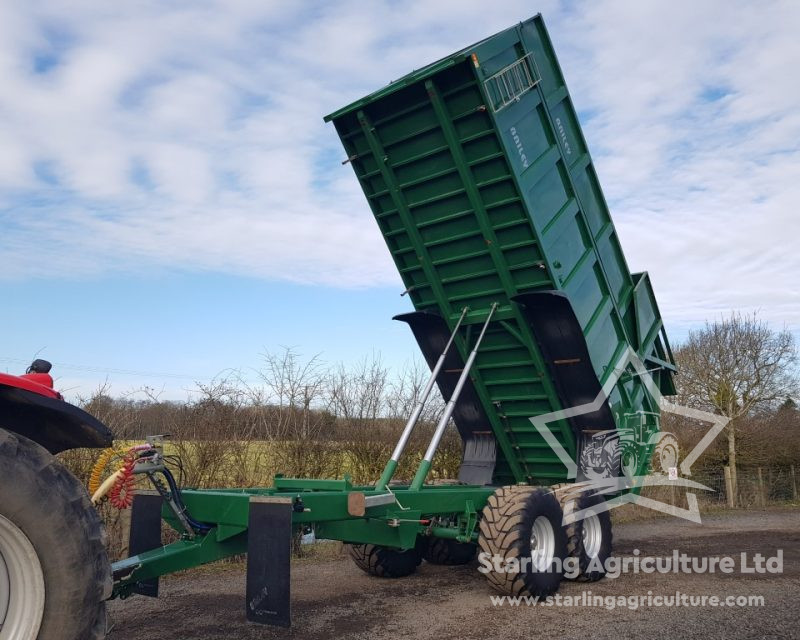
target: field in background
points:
(307, 420)
(235, 463)
(216, 463)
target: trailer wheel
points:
(450, 552)
(54, 571)
(385, 562)
(589, 540)
(521, 529)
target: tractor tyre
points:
(524, 542)
(450, 552)
(629, 460)
(589, 539)
(385, 562)
(54, 571)
(666, 453)
(608, 464)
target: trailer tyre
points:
(450, 552)
(589, 540)
(385, 562)
(521, 529)
(52, 552)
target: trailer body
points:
(480, 180)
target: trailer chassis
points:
(219, 523)
(337, 509)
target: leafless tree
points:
(735, 367)
(295, 388)
(358, 394)
(404, 391)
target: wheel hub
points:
(543, 543)
(21, 585)
(592, 535)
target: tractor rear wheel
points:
(385, 562)
(589, 539)
(665, 455)
(524, 542)
(54, 571)
(450, 552)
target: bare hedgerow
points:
(300, 419)
(358, 393)
(366, 459)
(295, 391)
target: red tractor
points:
(54, 572)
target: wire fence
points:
(755, 487)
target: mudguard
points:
(474, 427)
(563, 347)
(39, 414)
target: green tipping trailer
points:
(481, 183)
(550, 353)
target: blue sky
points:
(172, 203)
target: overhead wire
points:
(110, 370)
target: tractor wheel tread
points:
(577, 501)
(52, 508)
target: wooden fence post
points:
(729, 488)
(762, 496)
(794, 484)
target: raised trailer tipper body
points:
(480, 180)
(550, 354)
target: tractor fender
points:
(38, 413)
(656, 437)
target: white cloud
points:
(190, 136)
(695, 133)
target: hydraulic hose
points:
(176, 497)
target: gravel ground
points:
(334, 599)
